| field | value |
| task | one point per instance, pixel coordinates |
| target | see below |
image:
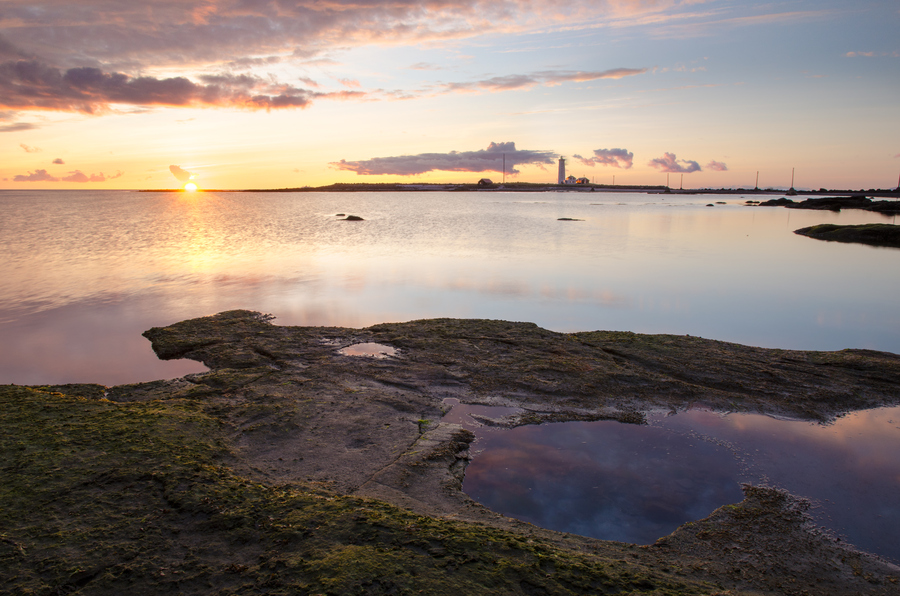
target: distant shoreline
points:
(535, 187)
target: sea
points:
(84, 273)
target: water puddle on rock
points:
(371, 350)
(634, 483)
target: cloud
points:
(58, 161)
(548, 78)
(668, 163)
(79, 176)
(29, 84)
(91, 55)
(483, 160)
(425, 66)
(250, 33)
(76, 176)
(17, 126)
(618, 158)
(182, 175)
(309, 82)
(30, 149)
(690, 25)
(36, 176)
(717, 166)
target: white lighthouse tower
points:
(562, 170)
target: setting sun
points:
(190, 187)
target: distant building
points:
(563, 179)
(485, 182)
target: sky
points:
(244, 94)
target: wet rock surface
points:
(292, 427)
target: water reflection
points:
(87, 342)
(370, 350)
(637, 483)
(635, 263)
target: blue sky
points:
(254, 93)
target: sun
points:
(190, 187)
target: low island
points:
(887, 235)
(292, 467)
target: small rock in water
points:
(354, 218)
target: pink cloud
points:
(617, 158)
(717, 166)
(668, 163)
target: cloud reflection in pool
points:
(637, 483)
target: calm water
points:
(637, 483)
(85, 272)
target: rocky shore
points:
(291, 468)
(890, 207)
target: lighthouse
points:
(562, 170)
